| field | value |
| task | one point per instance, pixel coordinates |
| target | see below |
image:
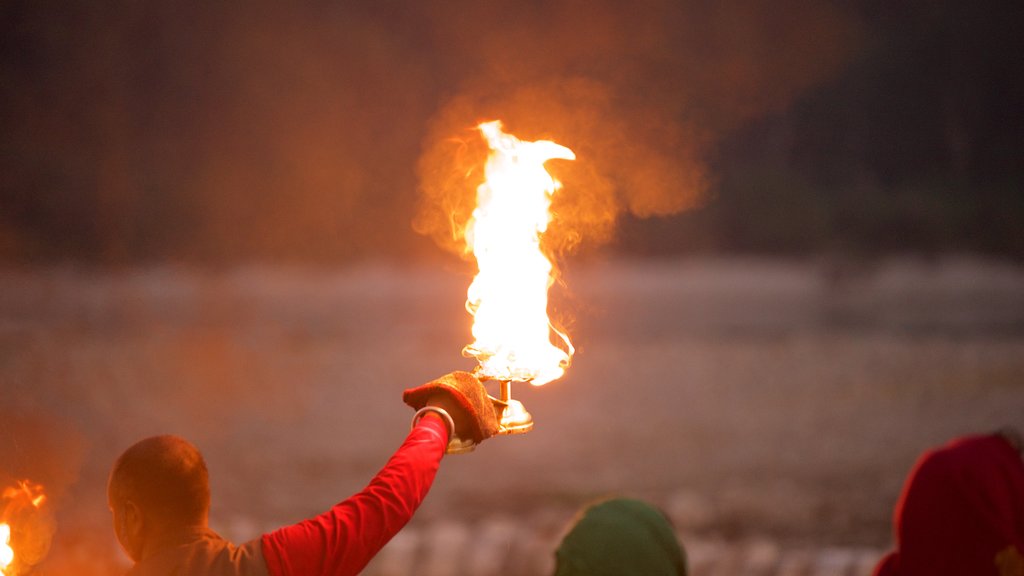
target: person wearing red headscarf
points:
(961, 512)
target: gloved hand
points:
(466, 401)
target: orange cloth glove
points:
(476, 415)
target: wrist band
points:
(448, 422)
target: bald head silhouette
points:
(159, 486)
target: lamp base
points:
(515, 419)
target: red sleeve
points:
(342, 540)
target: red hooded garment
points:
(961, 512)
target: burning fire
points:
(509, 295)
(25, 495)
(31, 493)
(6, 552)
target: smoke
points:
(639, 92)
(203, 131)
(625, 161)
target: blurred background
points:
(790, 247)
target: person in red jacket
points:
(159, 495)
(961, 512)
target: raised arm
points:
(342, 541)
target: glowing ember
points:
(509, 296)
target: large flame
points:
(25, 495)
(509, 295)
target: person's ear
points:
(133, 525)
(134, 519)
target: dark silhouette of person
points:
(961, 511)
(159, 495)
(620, 537)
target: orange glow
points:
(509, 295)
(16, 498)
(32, 493)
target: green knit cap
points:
(621, 537)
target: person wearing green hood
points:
(620, 537)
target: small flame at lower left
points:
(6, 552)
(18, 500)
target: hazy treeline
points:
(210, 132)
(917, 144)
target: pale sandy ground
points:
(754, 400)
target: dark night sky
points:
(190, 131)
